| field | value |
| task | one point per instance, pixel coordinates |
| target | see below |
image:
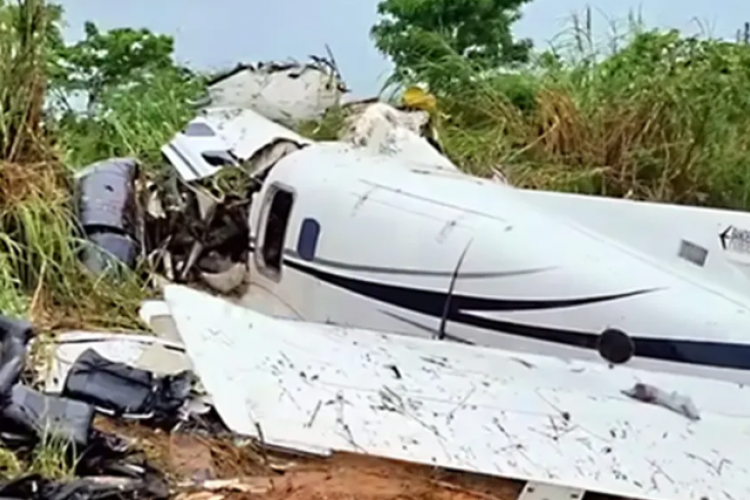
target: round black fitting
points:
(615, 346)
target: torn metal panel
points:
(107, 213)
(246, 132)
(198, 151)
(141, 351)
(526, 417)
(221, 137)
(383, 129)
(287, 92)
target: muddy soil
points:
(349, 477)
(215, 469)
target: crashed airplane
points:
(544, 427)
(349, 261)
(379, 230)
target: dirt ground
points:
(215, 469)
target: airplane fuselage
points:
(360, 239)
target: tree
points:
(415, 33)
(109, 60)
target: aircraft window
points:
(308, 239)
(275, 233)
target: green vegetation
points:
(659, 117)
(135, 98)
(413, 32)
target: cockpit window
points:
(279, 211)
(308, 239)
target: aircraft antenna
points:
(446, 308)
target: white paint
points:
(383, 129)
(286, 93)
(246, 131)
(382, 218)
(239, 133)
(656, 229)
(526, 417)
(119, 348)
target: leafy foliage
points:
(662, 118)
(104, 61)
(416, 34)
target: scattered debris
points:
(326, 389)
(124, 391)
(141, 350)
(674, 401)
(35, 487)
(108, 213)
(30, 419)
(285, 92)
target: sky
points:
(217, 34)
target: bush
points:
(663, 118)
(40, 274)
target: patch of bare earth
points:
(215, 469)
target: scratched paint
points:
(321, 387)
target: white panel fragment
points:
(138, 350)
(526, 417)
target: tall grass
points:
(660, 117)
(136, 121)
(40, 274)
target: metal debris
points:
(484, 413)
(108, 213)
(285, 92)
(36, 487)
(674, 401)
(30, 419)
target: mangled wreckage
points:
(285, 92)
(192, 223)
(552, 428)
(381, 232)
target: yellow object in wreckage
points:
(416, 98)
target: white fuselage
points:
(373, 243)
